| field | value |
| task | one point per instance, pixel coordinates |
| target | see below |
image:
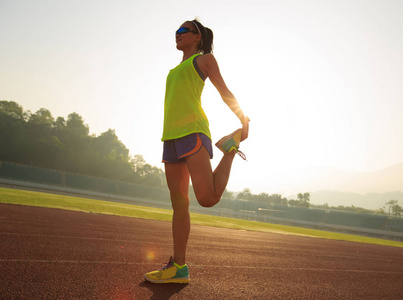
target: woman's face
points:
(188, 39)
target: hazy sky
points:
(322, 81)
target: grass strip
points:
(23, 197)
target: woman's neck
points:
(188, 54)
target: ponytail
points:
(206, 42)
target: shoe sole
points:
(170, 280)
(225, 138)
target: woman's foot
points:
(230, 143)
(171, 273)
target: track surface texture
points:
(57, 254)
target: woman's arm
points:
(209, 67)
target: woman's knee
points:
(179, 202)
(209, 201)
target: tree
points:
(267, 200)
(147, 174)
(60, 124)
(12, 131)
(246, 194)
(303, 200)
(276, 199)
(227, 195)
(394, 208)
(262, 198)
(380, 211)
(40, 140)
(153, 176)
(42, 117)
(137, 162)
(75, 125)
(107, 144)
(12, 109)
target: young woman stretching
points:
(187, 141)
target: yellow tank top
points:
(183, 113)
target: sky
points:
(320, 80)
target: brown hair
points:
(206, 42)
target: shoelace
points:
(242, 155)
(168, 265)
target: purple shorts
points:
(175, 151)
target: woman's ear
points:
(197, 38)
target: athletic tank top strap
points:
(198, 69)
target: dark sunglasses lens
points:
(182, 30)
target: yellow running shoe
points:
(171, 273)
(231, 142)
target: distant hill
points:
(369, 201)
(332, 179)
(368, 190)
(386, 180)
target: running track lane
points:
(57, 254)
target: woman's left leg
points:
(177, 176)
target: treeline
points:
(303, 200)
(38, 139)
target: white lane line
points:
(80, 238)
(190, 246)
(62, 261)
(196, 266)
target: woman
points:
(187, 141)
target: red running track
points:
(58, 254)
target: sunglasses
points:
(184, 30)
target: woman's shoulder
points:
(206, 57)
(206, 60)
(208, 64)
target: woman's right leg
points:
(177, 176)
(209, 185)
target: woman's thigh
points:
(201, 173)
(177, 176)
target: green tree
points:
(265, 200)
(42, 117)
(227, 195)
(78, 151)
(394, 208)
(108, 145)
(380, 211)
(137, 162)
(40, 140)
(246, 194)
(110, 157)
(153, 176)
(12, 109)
(59, 125)
(75, 125)
(147, 174)
(262, 198)
(13, 133)
(303, 200)
(276, 199)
